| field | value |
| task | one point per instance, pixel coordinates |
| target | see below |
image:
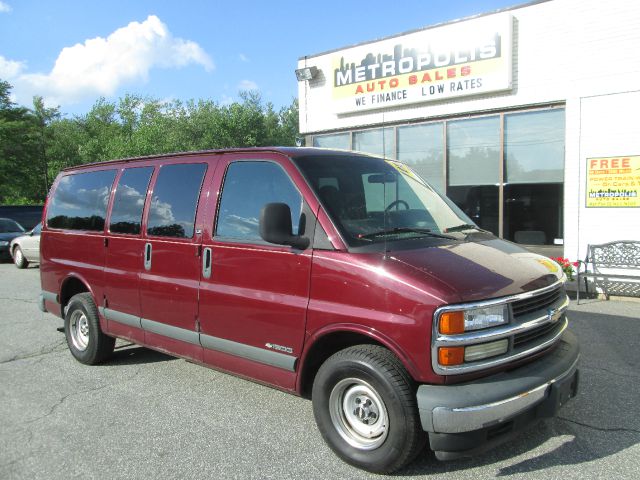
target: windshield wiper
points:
(392, 231)
(464, 226)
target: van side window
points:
(79, 202)
(126, 213)
(175, 200)
(248, 186)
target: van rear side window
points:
(79, 202)
(126, 213)
(175, 199)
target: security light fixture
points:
(306, 73)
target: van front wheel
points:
(365, 406)
(85, 339)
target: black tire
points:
(370, 380)
(85, 339)
(18, 258)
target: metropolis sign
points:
(467, 58)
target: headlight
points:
(460, 321)
(3, 243)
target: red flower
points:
(566, 264)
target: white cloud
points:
(100, 66)
(10, 69)
(243, 57)
(5, 7)
(247, 85)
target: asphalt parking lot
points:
(147, 415)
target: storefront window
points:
(526, 173)
(473, 149)
(422, 147)
(338, 140)
(534, 175)
(533, 213)
(379, 142)
(534, 147)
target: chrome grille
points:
(537, 303)
(521, 339)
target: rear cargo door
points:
(170, 255)
(124, 249)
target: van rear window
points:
(80, 200)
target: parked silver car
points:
(25, 249)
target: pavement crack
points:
(44, 351)
(599, 429)
(55, 406)
(27, 441)
(64, 398)
(611, 372)
(13, 462)
(23, 300)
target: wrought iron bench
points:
(613, 267)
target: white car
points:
(25, 249)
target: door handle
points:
(147, 256)
(206, 263)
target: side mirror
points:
(275, 226)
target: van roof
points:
(288, 151)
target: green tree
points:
(18, 152)
(101, 133)
(66, 139)
(43, 118)
(288, 125)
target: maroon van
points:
(329, 274)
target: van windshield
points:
(372, 200)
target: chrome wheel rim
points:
(79, 329)
(358, 414)
(18, 257)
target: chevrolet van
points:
(337, 276)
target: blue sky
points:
(74, 51)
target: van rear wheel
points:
(364, 402)
(84, 337)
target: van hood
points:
(479, 270)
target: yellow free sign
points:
(613, 181)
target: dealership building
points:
(527, 118)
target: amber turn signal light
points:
(449, 356)
(451, 323)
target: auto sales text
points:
(380, 96)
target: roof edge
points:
(288, 151)
(428, 27)
(177, 154)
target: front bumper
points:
(469, 417)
